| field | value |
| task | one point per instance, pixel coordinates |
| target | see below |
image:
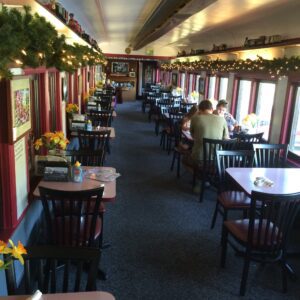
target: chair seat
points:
(239, 229)
(182, 150)
(234, 199)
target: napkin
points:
(37, 295)
(263, 181)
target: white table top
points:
(286, 180)
(68, 296)
(109, 193)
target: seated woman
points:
(186, 121)
(185, 126)
(221, 110)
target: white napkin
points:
(37, 295)
(263, 181)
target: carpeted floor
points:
(161, 243)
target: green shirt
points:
(206, 126)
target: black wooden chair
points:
(245, 141)
(264, 236)
(207, 172)
(230, 198)
(41, 270)
(178, 149)
(86, 157)
(73, 218)
(101, 118)
(270, 155)
(94, 140)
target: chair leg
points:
(156, 127)
(173, 160)
(202, 190)
(178, 164)
(245, 273)
(224, 246)
(213, 222)
(284, 276)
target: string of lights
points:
(275, 67)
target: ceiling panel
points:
(225, 21)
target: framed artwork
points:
(20, 107)
(201, 86)
(174, 79)
(131, 74)
(120, 68)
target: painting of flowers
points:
(21, 107)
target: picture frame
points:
(201, 86)
(174, 79)
(20, 108)
(121, 68)
(131, 74)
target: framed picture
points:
(120, 68)
(20, 108)
(201, 86)
(174, 79)
(131, 74)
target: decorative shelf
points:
(287, 42)
(60, 26)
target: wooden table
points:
(112, 131)
(68, 296)
(109, 193)
(286, 180)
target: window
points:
(264, 106)
(197, 83)
(182, 83)
(211, 87)
(243, 100)
(295, 132)
(223, 88)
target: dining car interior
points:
(149, 149)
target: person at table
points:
(206, 125)
(186, 120)
(221, 110)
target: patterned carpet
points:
(161, 243)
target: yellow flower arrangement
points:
(179, 89)
(72, 108)
(92, 91)
(194, 94)
(251, 120)
(52, 140)
(13, 252)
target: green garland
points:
(275, 67)
(30, 40)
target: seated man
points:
(206, 125)
(221, 110)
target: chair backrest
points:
(270, 155)
(86, 157)
(270, 220)
(72, 217)
(210, 146)
(93, 140)
(251, 138)
(41, 270)
(232, 159)
(101, 118)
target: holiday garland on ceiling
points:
(30, 40)
(275, 67)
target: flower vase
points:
(52, 152)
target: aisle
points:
(162, 247)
